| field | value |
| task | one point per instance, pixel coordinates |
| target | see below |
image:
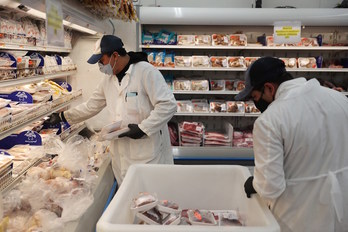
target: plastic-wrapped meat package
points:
(183, 61)
(290, 62)
(199, 85)
(216, 139)
(217, 106)
(20, 152)
(159, 59)
(220, 39)
(235, 107)
(200, 107)
(184, 106)
(229, 85)
(230, 218)
(217, 85)
(151, 217)
(201, 217)
(169, 60)
(250, 60)
(270, 42)
(173, 133)
(182, 85)
(218, 61)
(192, 127)
(187, 40)
(236, 62)
(144, 201)
(237, 135)
(309, 42)
(172, 219)
(191, 133)
(200, 61)
(4, 112)
(203, 40)
(309, 62)
(239, 85)
(238, 40)
(250, 108)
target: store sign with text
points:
(287, 32)
(54, 23)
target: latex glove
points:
(55, 118)
(135, 132)
(248, 186)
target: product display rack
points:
(38, 48)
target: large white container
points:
(215, 187)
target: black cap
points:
(106, 44)
(265, 69)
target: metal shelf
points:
(34, 79)
(218, 114)
(65, 136)
(322, 48)
(210, 92)
(24, 47)
(212, 152)
(15, 128)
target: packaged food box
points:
(309, 42)
(200, 107)
(219, 39)
(236, 62)
(198, 187)
(239, 85)
(199, 85)
(186, 40)
(235, 107)
(217, 85)
(203, 40)
(290, 62)
(182, 85)
(218, 61)
(184, 106)
(309, 62)
(250, 108)
(217, 106)
(200, 61)
(237, 40)
(250, 60)
(183, 61)
(270, 42)
(229, 85)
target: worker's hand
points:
(55, 118)
(248, 186)
(135, 132)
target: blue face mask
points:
(107, 69)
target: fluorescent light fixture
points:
(79, 28)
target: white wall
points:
(241, 3)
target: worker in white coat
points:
(135, 92)
(300, 148)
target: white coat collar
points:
(295, 87)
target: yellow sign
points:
(54, 23)
(286, 32)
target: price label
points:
(286, 32)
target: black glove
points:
(248, 186)
(55, 118)
(134, 133)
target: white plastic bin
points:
(215, 187)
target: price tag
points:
(287, 32)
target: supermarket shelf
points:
(211, 92)
(332, 48)
(34, 79)
(244, 69)
(212, 153)
(218, 114)
(8, 46)
(18, 126)
(65, 136)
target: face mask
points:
(261, 104)
(107, 69)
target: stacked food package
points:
(6, 166)
(151, 211)
(216, 139)
(191, 134)
(242, 139)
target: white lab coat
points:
(149, 103)
(301, 157)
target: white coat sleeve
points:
(269, 180)
(87, 109)
(161, 97)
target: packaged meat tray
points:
(290, 62)
(203, 40)
(235, 107)
(186, 40)
(199, 85)
(309, 42)
(201, 217)
(200, 61)
(236, 62)
(217, 106)
(250, 60)
(182, 85)
(217, 85)
(184, 106)
(200, 107)
(237, 40)
(183, 61)
(199, 187)
(218, 61)
(219, 39)
(250, 108)
(239, 85)
(270, 42)
(309, 62)
(229, 85)
(143, 202)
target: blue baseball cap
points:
(265, 69)
(106, 44)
